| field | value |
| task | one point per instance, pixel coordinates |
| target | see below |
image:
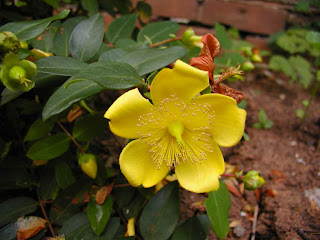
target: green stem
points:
(314, 91)
(86, 107)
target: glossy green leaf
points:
(99, 215)
(69, 201)
(197, 227)
(8, 95)
(157, 32)
(62, 37)
(73, 225)
(113, 55)
(87, 37)
(89, 127)
(50, 147)
(86, 232)
(45, 41)
(64, 175)
(160, 216)
(121, 27)
(59, 65)
(49, 188)
(91, 6)
(9, 232)
(12, 209)
(149, 59)
(133, 209)
(218, 205)
(96, 77)
(39, 129)
(30, 29)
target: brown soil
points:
(287, 155)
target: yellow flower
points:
(178, 130)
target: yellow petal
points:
(137, 166)
(183, 81)
(202, 176)
(229, 120)
(124, 113)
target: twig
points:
(255, 219)
(45, 215)
(165, 41)
(70, 136)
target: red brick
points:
(174, 8)
(258, 18)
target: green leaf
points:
(149, 59)
(9, 232)
(300, 113)
(97, 77)
(12, 209)
(281, 64)
(121, 27)
(230, 59)
(160, 216)
(302, 6)
(49, 188)
(30, 29)
(86, 232)
(72, 226)
(45, 41)
(61, 39)
(91, 6)
(89, 127)
(99, 215)
(87, 37)
(157, 32)
(49, 148)
(59, 65)
(192, 229)
(292, 44)
(314, 39)
(69, 201)
(133, 209)
(8, 95)
(222, 36)
(64, 175)
(218, 205)
(39, 129)
(302, 68)
(113, 55)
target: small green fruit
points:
(256, 58)
(8, 43)
(247, 66)
(88, 164)
(253, 180)
(17, 73)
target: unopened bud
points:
(88, 164)
(8, 43)
(247, 51)
(256, 58)
(253, 180)
(190, 39)
(247, 66)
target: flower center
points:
(176, 129)
(177, 132)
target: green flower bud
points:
(247, 66)
(256, 58)
(8, 43)
(253, 180)
(247, 51)
(24, 44)
(88, 164)
(190, 39)
(17, 75)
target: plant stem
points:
(165, 41)
(314, 91)
(232, 175)
(86, 107)
(71, 137)
(45, 215)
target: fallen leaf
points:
(234, 223)
(198, 206)
(103, 193)
(29, 226)
(232, 188)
